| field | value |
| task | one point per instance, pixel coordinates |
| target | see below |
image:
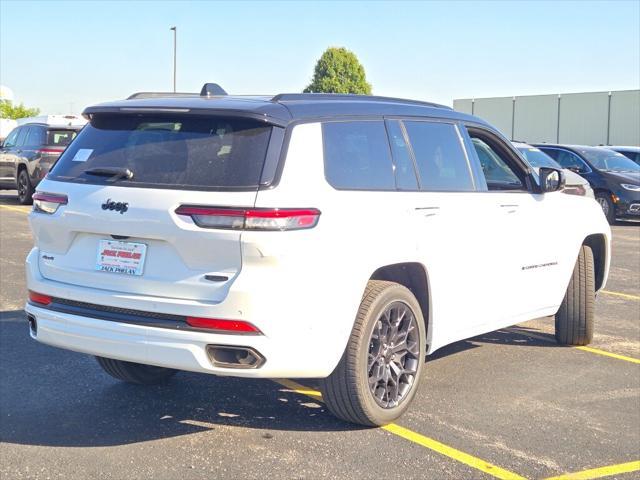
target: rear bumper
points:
(297, 342)
(181, 350)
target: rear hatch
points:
(124, 177)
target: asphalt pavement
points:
(508, 404)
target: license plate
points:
(121, 257)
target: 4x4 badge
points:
(117, 206)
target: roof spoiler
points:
(208, 90)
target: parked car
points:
(615, 179)
(630, 152)
(536, 158)
(336, 237)
(27, 154)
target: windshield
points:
(536, 158)
(168, 151)
(609, 161)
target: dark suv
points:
(28, 153)
(615, 179)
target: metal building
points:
(593, 118)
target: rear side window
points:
(177, 151)
(60, 138)
(442, 164)
(356, 155)
(22, 136)
(35, 137)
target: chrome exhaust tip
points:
(33, 325)
(225, 356)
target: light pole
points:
(175, 34)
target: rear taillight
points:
(48, 202)
(39, 298)
(231, 326)
(267, 219)
(49, 151)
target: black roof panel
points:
(283, 108)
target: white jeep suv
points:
(335, 237)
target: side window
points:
(356, 155)
(402, 160)
(11, 140)
(496, 165)
(35, 137)
(569, 160)
(442, 164)
(22, 136)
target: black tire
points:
(346, 391)
(25, 189)
(135, 372)
(574, 320)
(608, 208)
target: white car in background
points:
(575, 184)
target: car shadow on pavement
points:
(55, 397)
(514, 336)
(9, 197)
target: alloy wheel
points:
(394, 355)
(22, 186)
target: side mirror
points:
(551, 179)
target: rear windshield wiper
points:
(115, 173)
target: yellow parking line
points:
(451, 452)
(600, 472)
(419, 439)
(16, 209)
(622, 295)
(609, 354)
(584, 349)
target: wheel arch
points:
(414, 276)
(598, 244)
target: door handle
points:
(510, 207)
(428, 211)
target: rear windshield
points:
(186, 152)
(60, 138)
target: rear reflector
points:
(231, 326)
(267, 219)
(48, 202)
(39, 298)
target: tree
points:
(339, 71)
(9, 110)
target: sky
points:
(63, 56)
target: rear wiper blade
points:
(115, 173)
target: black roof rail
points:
(208, 90)
(160, 95)
(351, 97)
